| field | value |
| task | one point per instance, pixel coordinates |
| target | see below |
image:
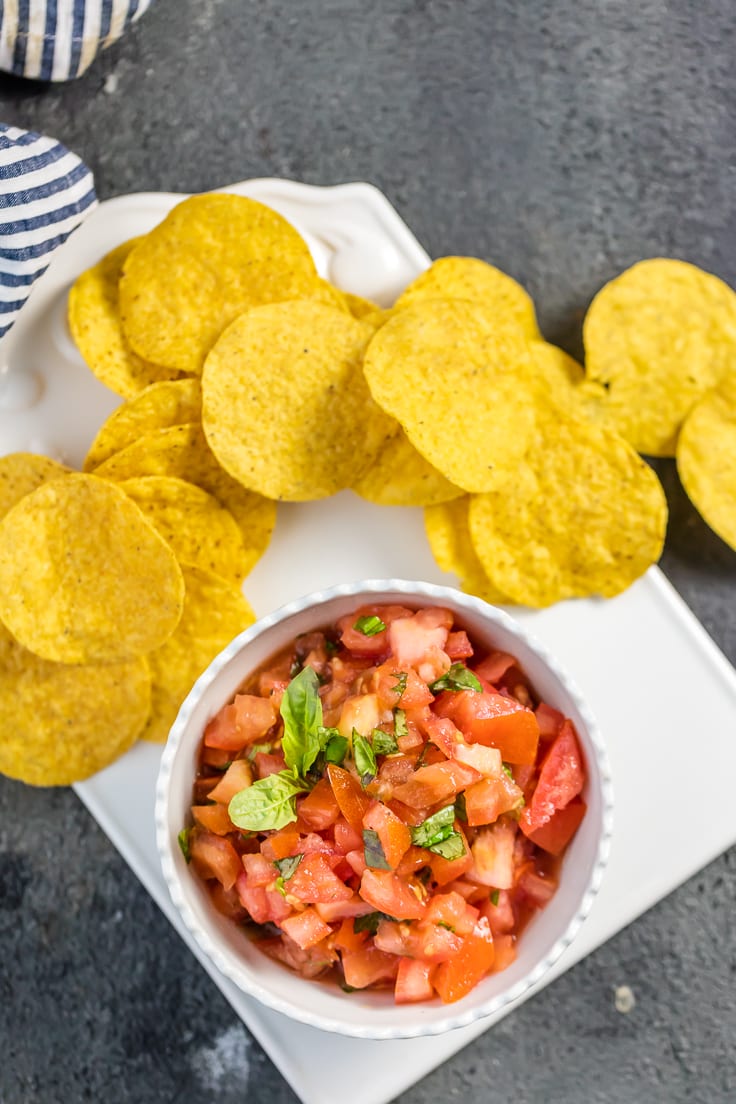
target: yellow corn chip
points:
(706, 458)
(401, 476)
(23, 472)
(84, 578)
(285, 407)
(171, 403)
(94, 320)
(657, 337)
(448, 534)
(214, 613)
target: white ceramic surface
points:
(374, 1015)
(647, 629)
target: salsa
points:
(385, 804)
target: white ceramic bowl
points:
(373, 1015)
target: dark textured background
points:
(563, 141)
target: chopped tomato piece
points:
(394, 835)
(350, 797)
(413, 981)
(488, 799)
(431, 942)
(505, 948)
(253, 899)
(396, 687)
(537, 888)
(281, 844)
(368, 966)
(310, 963)
(462, 973)
(378, 644)
(493, 855)
(237, 777)
(486, 760)
(340, 910)
(458, 646)
(555, 835)
(438, 782)
(214, 857)
(499, 912)
(444, 734)
(560, 780)
(314, 880)
(269, 763)
(306, 928)
(244, 722)
(346, 838)
(214, 818)
(452, 910)
(260, 871)
(445, 870)
(228, 902)
(347, 939)
(216, 757)
(549, 720)
(494, 720)
(360, 713)
(356, 859)
(390, 894)
(319, 809)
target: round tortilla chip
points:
(212, 257)
(658, 337)
(23, 472)
(503, 301)
(285, 407)
(586, 515)
(171, 403)
(94, 321)
(706, 458)
(448, 533)
(464, 393)
(200, 531)
(214, 613)
(400, 476)
(182, 452)
(84, 578)
(359, 306)
(559, 375)
(60, 724)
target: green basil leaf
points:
(460, 811)
(268, 804)
(369, 626)
(301, 710)
(183, 839)
(384, 743)
(453, 847)
(373, 850)
(435, 828)
(400, 685)
(457, 678)
(255, 748)
(400, 727)
(368, 923)
(280, 886)
(331, 648)
(495, 897)
(287, 867)
(507, 770)
(365, 760)
(336, 749)
(443, 924)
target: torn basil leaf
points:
(183, 839)
(365, 759)
(301, 711)
(373, 850)
(384, 743)
(369, 625)
(457, 678)
(287, 867)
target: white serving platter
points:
(635, 657)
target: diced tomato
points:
(393, 834)
(391, 894)
(314, 880)
(281, 844)
(214, 857)
(462, 973)
(357, 861)
(488, 799)
(319, 809)
(244, 722)
(494, 720)
(368, 966)
(310, 963)
(340, 910)
(444, 734)
(267, 763)
(260, 871)
(458, 646)
(469, 891)
(396, 769)
(350, 797)
(494, 667)
(422, 635)
(278, 907)
(493, 855)
(228, 902)
(387, 681)
(549, 720)
(431, 942)
(411, 741)
(445, 870)
(414, 859)
(539, 890)
(561, 778)
(555, 835)
(346, 838)
(347, 939)
(486, 760)
(203, 787)
(453, 910)
(214, 818)
(413, 981)
(360, 712)
(505, 948)
(438, 782)
(216, 757)
(253, 898)
(500, 916)
(306, 928)
(378, 644)
(237, 777)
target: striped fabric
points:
(56, 40)
(45, 192)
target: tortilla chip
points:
(23, 472)
(174, 402)
(706, 458)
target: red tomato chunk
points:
(387, 804)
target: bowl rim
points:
(454, 1020)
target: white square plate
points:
(634, 656)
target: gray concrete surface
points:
(563, 141)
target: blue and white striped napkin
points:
(45, 192)
(56, 40)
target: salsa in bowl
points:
(384, 810)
